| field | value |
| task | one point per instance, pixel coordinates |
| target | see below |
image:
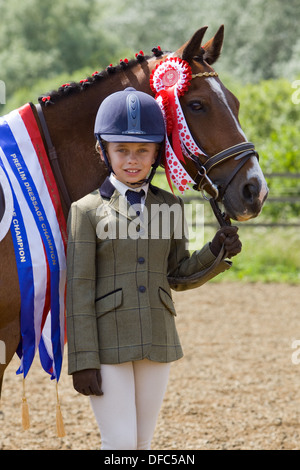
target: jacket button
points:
(142, 289)
(141, 260)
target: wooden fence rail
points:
(287, 195)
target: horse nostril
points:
(250, 192)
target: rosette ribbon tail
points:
(175, 138)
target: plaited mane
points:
(77, 87)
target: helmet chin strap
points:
(155, 165)
(138, 183)
(103, 151)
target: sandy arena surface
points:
(237, 387)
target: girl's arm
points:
(186, 270)
(81, 280)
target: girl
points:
(120, 314)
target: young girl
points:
(120, 314)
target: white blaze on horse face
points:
(255, 173)
(216, 87)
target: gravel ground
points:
(237, 386)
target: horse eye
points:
(196, 106)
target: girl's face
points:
(131, 161)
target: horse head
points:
(211, 112)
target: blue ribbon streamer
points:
(14, 157)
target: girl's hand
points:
(229, 236)
(88, 382)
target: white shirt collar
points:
(122, 187)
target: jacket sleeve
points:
(83, 352)
(189, 270)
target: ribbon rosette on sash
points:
(38, 230)
(170, 80)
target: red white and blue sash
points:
(38, 230)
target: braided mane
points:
(77, 87)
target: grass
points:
(269, 254)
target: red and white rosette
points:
(172, 73)
(170, 80)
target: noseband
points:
(242, 152)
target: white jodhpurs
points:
(127, 411)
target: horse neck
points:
(70, 123)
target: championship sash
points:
(38, 230)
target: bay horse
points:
(211, 112)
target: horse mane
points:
(76, 87)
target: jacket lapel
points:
(119, 203)
(114, 199)
(153, 202)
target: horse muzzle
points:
(243, 197)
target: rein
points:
(54, 158)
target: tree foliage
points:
(45, 43)
(43, 39)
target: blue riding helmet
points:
(129, 116)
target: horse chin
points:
(240, 215)
(245, 217)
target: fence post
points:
(2, 352)
(2, 92)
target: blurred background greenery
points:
(45, 44)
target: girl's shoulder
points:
(165, 196)
(88, 202)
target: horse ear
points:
(213, 47)
(192, 47)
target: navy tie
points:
(135, 197)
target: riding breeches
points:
(127, 411)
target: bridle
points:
(242, 152)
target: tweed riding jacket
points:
(119, 302)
